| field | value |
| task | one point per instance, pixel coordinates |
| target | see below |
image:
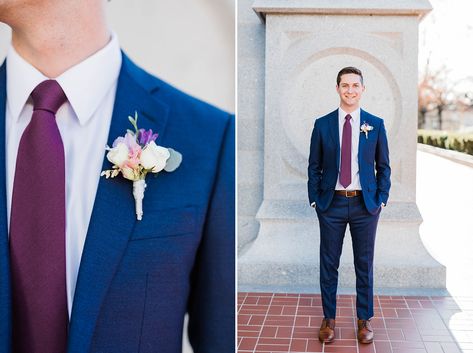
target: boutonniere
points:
(366, 128)
(135, 155)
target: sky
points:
(446, 37)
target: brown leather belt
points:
(348, 193)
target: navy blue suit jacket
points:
(373, 161)
(138, 279)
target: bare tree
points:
(436, 92)
(426, 98)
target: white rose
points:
(118, 154)
(154, 157)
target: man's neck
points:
(349, 109)
(57, 41)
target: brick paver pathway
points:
(273, 322)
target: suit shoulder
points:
(187, 103)
(325, 118)
(183, 105)
(372, 117)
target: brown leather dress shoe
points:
(327, 331)
(365, 331)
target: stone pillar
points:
(307, 43)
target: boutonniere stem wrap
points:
(366, 128)
(139, 187)
(135, 155)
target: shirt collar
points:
(355, 115)
(84, 84)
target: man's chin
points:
(351, 104)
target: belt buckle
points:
(350, 195)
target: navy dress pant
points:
(345, 211)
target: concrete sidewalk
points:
(445, 200)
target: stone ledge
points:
(300, 211)
(293, 276)
(454, 156)
(342, 7)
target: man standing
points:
(78, 272)
(349, 182)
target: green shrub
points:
(460, 142)
(468, 145)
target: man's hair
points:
(349, 70)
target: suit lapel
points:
(364, 118)
(5, 297)
(113, 216)
(334, 132)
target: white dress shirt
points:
(83, 122)
(355, 139)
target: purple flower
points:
(146, 136)
(128, 140)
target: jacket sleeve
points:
(383, 170)
(211, 306)
(315, 164)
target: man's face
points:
(350, 90)
(13, 11)
(7, 8)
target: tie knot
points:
(49, 96)
(348, 117)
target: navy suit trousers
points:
(345, 211)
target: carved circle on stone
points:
(310, 92)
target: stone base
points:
(286, 251)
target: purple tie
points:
(345, 169)
(37, 230)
